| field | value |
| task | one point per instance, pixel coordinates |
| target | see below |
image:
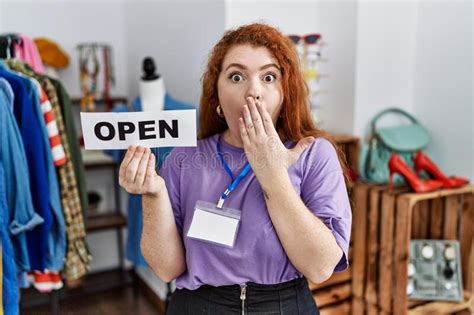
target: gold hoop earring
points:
(219, 111)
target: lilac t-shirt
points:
(195, 173)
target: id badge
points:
(214, 225)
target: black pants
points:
(292, 297)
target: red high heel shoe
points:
(397, 165)
(423, 162)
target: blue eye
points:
(269, 78)
(235, 77)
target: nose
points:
(254, 90)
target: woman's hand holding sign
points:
(137, 172)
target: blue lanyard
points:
(235, 181)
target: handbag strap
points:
(392, 110)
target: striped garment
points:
(57, 148)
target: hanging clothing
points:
(16, 207)
(9, 292)
(53, 250)
(77, 260)
(55, 245)
(1, 276)
(68, 117)
(35, 156)
(134, 208)
(56, 238)
(27, 52)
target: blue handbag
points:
(404, 140)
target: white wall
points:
(179, 36)
(337, 22)
(1, 15)
(385, 52)
(443, 83)
(289, 16)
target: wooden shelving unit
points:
(386, 222)
(116, 99)
(438, 307)
(105, 222)
(113, 218)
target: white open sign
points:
(171, 128)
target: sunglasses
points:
(308, 39)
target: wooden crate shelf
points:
(386, 221)
(337, 309)
(333, 295)
(444, 307)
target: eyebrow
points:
(238, 65)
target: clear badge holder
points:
(218, 226)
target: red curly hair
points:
(295, 120)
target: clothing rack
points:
(13, 37)
(114, 277)
(6, 44)
(113, 220)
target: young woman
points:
(260, 154)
